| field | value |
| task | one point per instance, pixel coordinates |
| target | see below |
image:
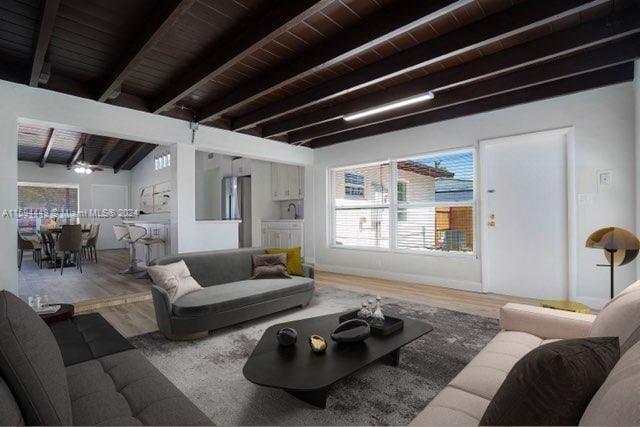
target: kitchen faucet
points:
(295, 210)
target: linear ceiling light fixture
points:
(387, 107)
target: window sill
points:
(429, 253)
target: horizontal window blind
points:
(361, 200)
(433, 206)
(436, 210)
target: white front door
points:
(524, 215)
(109, 197)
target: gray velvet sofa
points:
(229, 296)
(80, 372)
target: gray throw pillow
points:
(270, 266)
(31, 364)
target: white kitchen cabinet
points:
(241, 167)
(287, 182)
(282, 234)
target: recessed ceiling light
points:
(387, 107)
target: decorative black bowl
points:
(354, 330)
(287, 337)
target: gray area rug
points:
(209, 371)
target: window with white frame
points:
(432, 205)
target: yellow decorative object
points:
(317, 343)
(576, 307)
(294, 259)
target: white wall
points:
(59, 174)
(603, 121)
(144, 175)
(20, 102)
(262, 206)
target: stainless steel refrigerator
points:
(236, 204)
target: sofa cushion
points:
(620, 318)
(553, 384)
(234, 295)
(126, 389)
(453, 407)
(10, 414)
(31, 364)
(87, 337)
(216, 267)
(617, 402)
(270, 266)
(294, 259)
(175, 278)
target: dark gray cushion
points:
(10, 414)
(126, 389)
(31, 364)
(87, 337)
(216, 267)
(235, 295)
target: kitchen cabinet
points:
(287, 182)
(241, 167)
(282, 233)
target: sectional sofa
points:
(80, 372)
(617, 402)
(229, 296)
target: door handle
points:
(491, 223)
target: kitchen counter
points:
(283, 220)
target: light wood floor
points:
(139, 318)
(97, 281)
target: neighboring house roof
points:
(422, 169)
(453, 185)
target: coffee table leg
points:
(316, 397)
(392, 358)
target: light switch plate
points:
(604, 178)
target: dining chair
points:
(26, 245)
(69, 243)
(89, 244)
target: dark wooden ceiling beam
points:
(47, 22)
(129, 155)
(496, 27)
(381, 27)
(543, 49)
(231, 51)
(608, 76)
(106, 151)
(169, 11)
(606, 56)
(84, 138)
(47, 148)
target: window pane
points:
(362, 227)
(437, 178)
(62, 200)
(441, 228)
(362, 186)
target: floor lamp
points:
(620, 247)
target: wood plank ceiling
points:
(45, 145)
(291, 69)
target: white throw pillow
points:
(174, 278)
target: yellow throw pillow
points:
(294, 259)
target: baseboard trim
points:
(464, 285)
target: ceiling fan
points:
(82, 166)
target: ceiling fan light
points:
(78, 169)
(87, 171)
(387, 107)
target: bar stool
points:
(135, 233)
(147, 242)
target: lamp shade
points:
(618, 243)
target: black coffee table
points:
(307, 375)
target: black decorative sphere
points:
(287, 337)
(354, 330)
